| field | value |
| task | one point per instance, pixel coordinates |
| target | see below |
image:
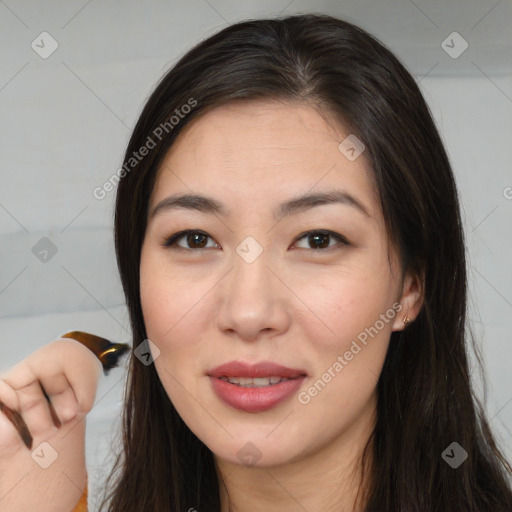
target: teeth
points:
(256, 382)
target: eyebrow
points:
(292, 206)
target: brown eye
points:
(193, 240)
(320, 240)
(196, 240)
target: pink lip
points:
(262, 369)
(255, 399)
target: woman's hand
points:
(49, 477)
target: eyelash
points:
(171, 241)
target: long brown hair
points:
(425, 396)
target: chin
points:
(255, 452)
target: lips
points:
(262, 369)
(261, 397)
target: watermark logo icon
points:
(44, 455)
(454, 455)
(249, 249)
(44, 45)
(44, 250)
(249, 454)
(351, 147)
(147, 352)
(454, 45)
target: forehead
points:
(263, 151)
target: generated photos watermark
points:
(305, 397)
(137, 156)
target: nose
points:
(255, 303)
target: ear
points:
(411, 300)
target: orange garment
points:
(81, 506)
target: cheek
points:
(349, 338)
(165, 297)
(342, 306)
(173, 308)
(168, 305)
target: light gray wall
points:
(66, 119)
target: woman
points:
(289, 239)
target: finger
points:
(31, 369)
(64, 356)
(83, 373)
(53, 414)
(30, 398)
(62, 397)
(34, 393)
(13, 428)
(8, 396)
(35, 410)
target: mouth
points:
(257, 382)
(256, 387)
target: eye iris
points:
(192, 238)
(320, 236)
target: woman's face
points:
(264, 278)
